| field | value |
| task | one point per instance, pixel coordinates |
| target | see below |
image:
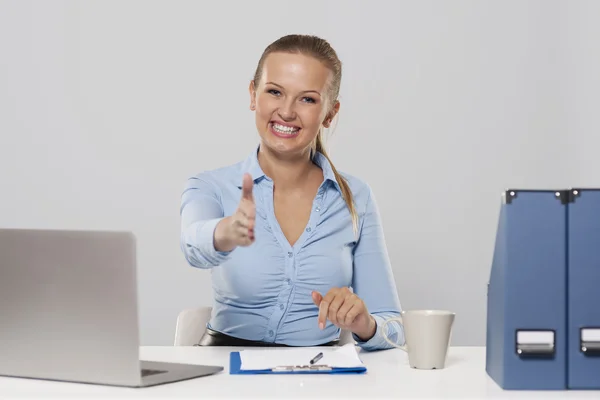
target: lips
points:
(284, 130)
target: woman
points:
(285, 235)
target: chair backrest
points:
(191, 325)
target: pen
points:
(317, 358)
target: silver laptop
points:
(68, 310)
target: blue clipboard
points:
(235, 364)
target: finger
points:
(247, 187)
(323, 309)
(247, 208)
(316, 297)
(243, 232)
(354, 311)
(334, 307)
(240, 221)
(244, 238)
(248, 214)
(345, 308)
(246, 241)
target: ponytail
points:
(346, 193)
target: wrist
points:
(221, 239)
(369, 331)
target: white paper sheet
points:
(340, 357)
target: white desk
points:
(388, 376)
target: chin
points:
(283, 146)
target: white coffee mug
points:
(427, 335)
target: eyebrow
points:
(305, 91)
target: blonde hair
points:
(321, 50)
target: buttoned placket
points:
(287, 289)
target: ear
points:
(334, 110)
(252, 91)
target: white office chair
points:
(191, 325)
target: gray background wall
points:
(106, 108)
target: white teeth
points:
(285, 129)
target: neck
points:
(287, 172)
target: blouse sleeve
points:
(201, 211)
(373, 279)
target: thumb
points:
(247, 187)
(317, 297)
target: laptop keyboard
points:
(148, 372)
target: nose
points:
(287, 111)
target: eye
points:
(308, 99)
(274, 92)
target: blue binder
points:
(235, 364)
(584, 289)
(527, 292)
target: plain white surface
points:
(388, 376)
(107, 107)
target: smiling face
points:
(292, 102)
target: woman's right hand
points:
(238, 229)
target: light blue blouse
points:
(263, 291)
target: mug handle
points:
(385, 334)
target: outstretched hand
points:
(238, 229)
(345, 310)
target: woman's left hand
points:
(345, 310)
